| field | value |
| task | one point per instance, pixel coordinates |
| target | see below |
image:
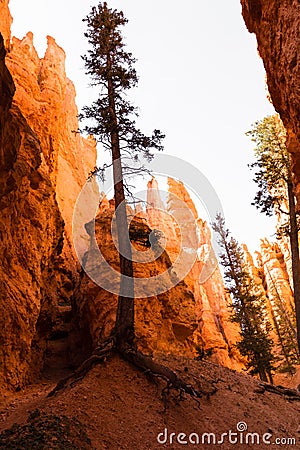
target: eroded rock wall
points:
(271, 275)
(165, 323)
(5, 22)
(191, 317)
(271, 262)
(212, 304)
(31, 230)
(46, 97)
(219, 335)
(44, 163)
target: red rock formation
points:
(270, 274)
(165, 323)
(5, 22)
(218, 333)
(158, 217)
(285, 248)
(154, 201)
(47, 99)
(277, 28)
(192, 314)
(43, 166)
(211, 300)
(257, 272)
(277, 284)
(29, 213)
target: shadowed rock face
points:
(43, 166)
(277, 28)
(31, 239)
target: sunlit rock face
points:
(271, 275)
(5, 22)
(257, 268)
(273, 267)
(192, 315)
(277, 28)
(44, 164)
(218, 333)
(47, 99)
(165, 322)
(158, 217)
(31, 230)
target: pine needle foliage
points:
(111, 118)
(248, 305)
(272, 165)
(276, 190)
(112, 72)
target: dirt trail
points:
(122, 409)
(15, 407)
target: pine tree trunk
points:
(263, 376)
(124, 326)
(291, 333)
(295, 256)
(291, 327)
(282, 345)
(271, 380)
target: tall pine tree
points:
(248, 307)
(111, 119)
(113, 124)
(275, 188)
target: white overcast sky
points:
(201, 82)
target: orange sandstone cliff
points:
(5, 22)
(31, 240)
(276, 278)
(271, 275)
(43, 166)
(165, 322)
(218, 333)
(47, 99)
(193, 314)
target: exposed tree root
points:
(289, 394)
(142, 362)
(100, 355)
(155, 369)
